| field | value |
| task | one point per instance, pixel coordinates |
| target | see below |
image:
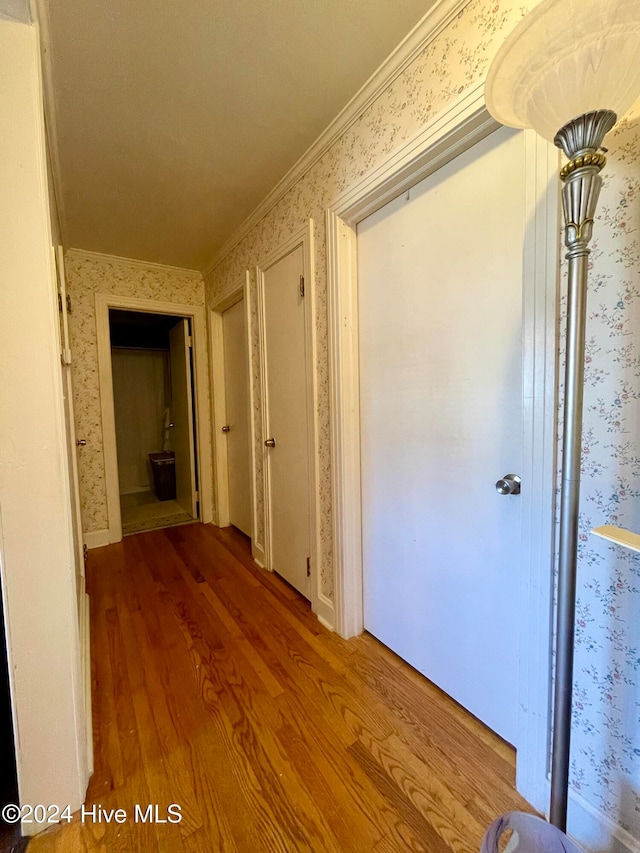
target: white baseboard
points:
(258, 554)
(97, 538)
(325, 612)
(594, 831)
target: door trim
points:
(320, 604)
(218, 396)
(105, 301)
(451, 133)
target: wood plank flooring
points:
(215, 688)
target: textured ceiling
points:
(175, 119)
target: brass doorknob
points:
(81, 442)
(270, 442)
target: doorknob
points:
(81, 442)
(226, 429)
(508, 485)
(270, 442)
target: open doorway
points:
(153, 397)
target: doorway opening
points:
(153, 396)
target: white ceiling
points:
(174, 118)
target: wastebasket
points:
(163, 468)
(531, 834)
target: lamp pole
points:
(581, 139)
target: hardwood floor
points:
(215, 688)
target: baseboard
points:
(325, 612)
(258, 554)
(96, 538)
(594, 831)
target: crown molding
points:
(426, 30)
(100, 257)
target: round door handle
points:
(81, 442)
(270, 442)
(509, 485)
(226, 429)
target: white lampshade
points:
(564, 59)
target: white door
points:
(440, 281)
(237, 410)
(182, 435)
(287, 424)
(70, 425)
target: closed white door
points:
(182, 435)
(70, 428)
(287, 422)
(237, 411)
(440, 282)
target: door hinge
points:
(189, 341)
(65, 357)
(308, 567)
(301, 285)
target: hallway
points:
(215, 688)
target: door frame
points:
(103, 302)
(219, 408)
(304, 238)
(465, 122)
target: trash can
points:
(163, 468)
(530, 834)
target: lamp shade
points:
(566, 58)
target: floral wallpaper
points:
(606, 749)
(87, 275)
(606, 740)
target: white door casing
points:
(463, 123)
(237, 407)
(196, 314)
(82, 596)
(67, 384)
(441, 421)
(182, 435)
(289, 403)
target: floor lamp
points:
(568, 70)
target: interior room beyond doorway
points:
(153, 405)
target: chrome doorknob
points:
(226, 429)
(509, 485)
(270, 442)
(81, 442)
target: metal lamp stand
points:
(581, 139)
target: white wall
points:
(36, 534)
(139, 399)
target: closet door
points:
(440, 306)
(237, 409)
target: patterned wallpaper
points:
(606, 751)
(86, 276)
(606, 745)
